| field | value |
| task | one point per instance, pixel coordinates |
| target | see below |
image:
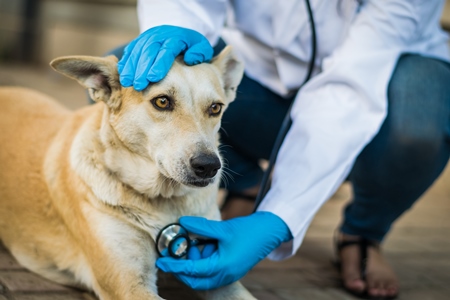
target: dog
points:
(83, 194)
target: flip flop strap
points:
(363, 245)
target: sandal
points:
(363, 244)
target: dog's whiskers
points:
(224, 131)
(225, 167)
(226, 176)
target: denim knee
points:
(419, 112)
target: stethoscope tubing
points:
(287, 122)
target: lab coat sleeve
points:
(204, 16)
(340, 110)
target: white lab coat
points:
(342, 107)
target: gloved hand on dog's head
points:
(242, 243)
(149, 57)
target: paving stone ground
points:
(418, 246)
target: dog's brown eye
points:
(161, 103)
(215, 109)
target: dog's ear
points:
(98, 74)
(231, 69)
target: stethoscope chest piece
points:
(173, 240)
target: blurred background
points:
(33, 32)
(39, 30)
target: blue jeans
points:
(394, 169)
(408, 153)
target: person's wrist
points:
(277, 224)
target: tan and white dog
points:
(84, 194)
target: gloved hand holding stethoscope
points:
(240, 244)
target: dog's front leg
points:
(121, 259)
(234, 291)
(131, 275)
(126, 276)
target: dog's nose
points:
(205, 165)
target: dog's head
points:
(171, 126)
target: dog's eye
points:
(161, 103)
(215, 109)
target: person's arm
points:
(170, 28)
(336, 114)
(340, 110)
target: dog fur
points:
(83, 194)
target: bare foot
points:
(239, 206)
(380, 280)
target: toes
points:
(382, 289)
(392, 290)
(356, 285)
(352, 280)
(375, 292)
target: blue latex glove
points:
(149, 57)
(242, 243)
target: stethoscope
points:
(174, 240)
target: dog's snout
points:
(205, 165)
